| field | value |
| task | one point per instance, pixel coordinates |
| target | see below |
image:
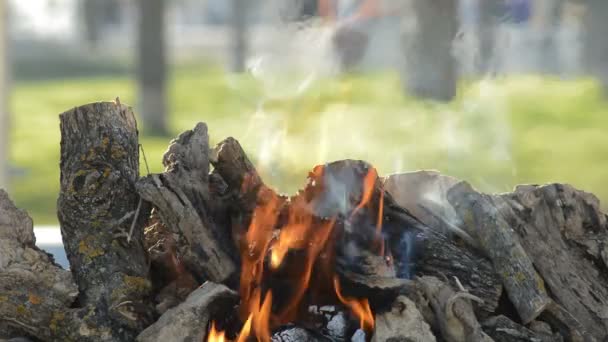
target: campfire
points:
(206, 251)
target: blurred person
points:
(360, 25)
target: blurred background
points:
(496, 92)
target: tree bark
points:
(431, 66)
(566, 236)
(595, 43)
(500, 243)
(152, 66)
(96, 208)
(4, 91)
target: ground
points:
(498, 133)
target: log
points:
(453, 311)
(424, 195)
(413, 247)
(96, 208)
(189, 321)
(502, 329)
(403, 322)
(32, 287)
(181, 195)
(244, 187)
(499, 242)
(565, 234)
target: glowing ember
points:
(216, 336)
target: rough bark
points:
(431, 66)
(181, 195)
(403, 322)
(453, 311)
(483, 221)
(32, 286)
(96, 207)
(502, 329)
(152, 66)
(189, 321)
(566, 236)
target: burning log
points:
(100, 222)
(189, 320)
(453, 311)
(181, 195)
(412, 247)
(502, 329)
(499, 242)
(245, 189)
(402, 323)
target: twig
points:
(143, 153)
(134, 220)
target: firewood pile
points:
(206, 251)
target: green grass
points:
(496, 134)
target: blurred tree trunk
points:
(239, 34)
(596, 41)
(431, 66)
(4, 79)
(489, 19)
(92, 21)
(547, 20)
(152, 67)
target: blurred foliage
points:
(496, 134)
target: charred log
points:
(181, 195)
(189, 321)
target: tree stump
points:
(96, 208)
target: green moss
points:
(86, 248)
(58, 317)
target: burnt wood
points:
(181, 195)
(96, 209)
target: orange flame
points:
(300, 231)
(216, 336)
(257, 240)
(360, 307)
(368, 188)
